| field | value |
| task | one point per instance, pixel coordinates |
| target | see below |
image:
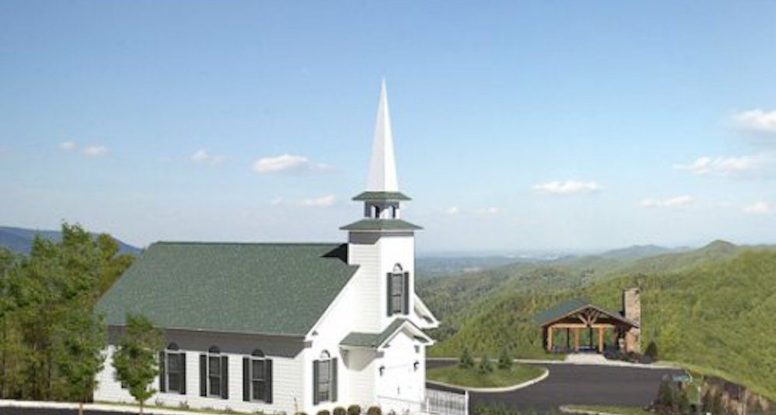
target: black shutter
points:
(406, 293)
(162, 374)
(316, 371)
(224, 377)
(268, 380)
(333, 380)
(183, 370)
(246, 379)
(202, 375)
(389, 294)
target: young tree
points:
(485, 365)
(466, 361)
(135, 359)
(505, 360)
(651, 351)
(78, 354)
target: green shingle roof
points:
(381, 225)
(564, 308)
(374, 340)
(381, 196)
(277, 289)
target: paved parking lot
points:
(579, 384)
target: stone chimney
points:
(631, 310)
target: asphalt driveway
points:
(578, 384)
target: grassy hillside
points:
(712, 308)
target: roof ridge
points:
(244, 243)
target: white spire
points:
(382, 166)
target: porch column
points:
(576, 339)
(549, 338)
(600, 340)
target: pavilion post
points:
(549, 339)
(600, 339)
(576, 339)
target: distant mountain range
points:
(19, 240)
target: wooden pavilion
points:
(575, 315)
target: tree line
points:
(51, 341)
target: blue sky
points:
(518, 125)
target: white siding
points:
(401, 388)
(288, 389)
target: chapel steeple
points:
(382, 196)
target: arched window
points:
(172, 370)
(257, 377)
(325, 379)
(216, 371)
(398, 291)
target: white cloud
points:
(453, 210)
(323, 201)
(669, 203)
(68, 145)
(276, 201)
(567, 187)
(95, 151)
(287, 163)
(722, 166)
(760, 208)
(757, 120)
(203, 157)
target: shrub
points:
(339, 411)
(301, 413)
(485, 365)
(504, 360)
(374, 410)
(354, 410)
(651, 351)
(324, 412)
(466, 361)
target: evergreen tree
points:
(485, 365)
(136, 358)
(505, 360)
(466, 361)
(78, 354)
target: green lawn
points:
(618, 410)
(473, 378)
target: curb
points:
(496, 390)
(566, 409)
(610, 363)
(9, 403)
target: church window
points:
(398, 291)
(257, 377)
(172, 367)
(214, 374)
(325, 379)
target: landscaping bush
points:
(374, 410)
(354, 410)
(466, 361)
(651, 351)
(485, 365)
(339, 411)
(505, 360)
(324, 412)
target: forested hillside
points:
(711, 308)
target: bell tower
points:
(381, 243)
